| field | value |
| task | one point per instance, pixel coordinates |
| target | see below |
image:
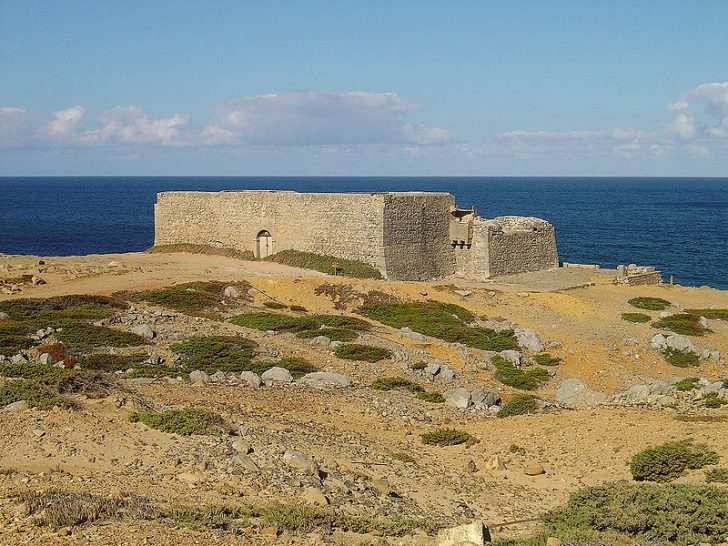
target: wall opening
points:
(263, 244)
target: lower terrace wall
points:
(517, 244)
(343, 225)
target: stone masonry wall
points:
(518, 244)
(342, 225)
(474, 262)
(416, 235)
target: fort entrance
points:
(264, 244)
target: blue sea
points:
(679, 225)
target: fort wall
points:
(517, 244)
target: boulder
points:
(534, 469)
(447, 373)
(460, 398)
(19, 358)
(485, 398)
(473, 533)
(528, 339)
(433, 368)
(313, 495)
(241, 446)
(514, 357)
(462, 293)
(276, 375)
(681, 343)
(658, 342)
(252, 379)
(46, 359)
(300, 461)
(198, 376)
(20, 405)
(325, 379)
(320, 340)
(231, 292)
(575, 394)
(494, 463)
(143, 330)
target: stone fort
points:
(405, 235)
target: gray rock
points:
(276, 375)
(574, 393)
(462, 293)
(143, 330)
(300, 461)
(199, 375)
(20, 405)
(155, 360)
(4, 316)
(703, 322)
(325, 379)
(320, 340)
(335, 344)
(476, 533)
(219, 377)
(241, 446)
(251, 378)
(514, 357)
(484, 399)
(18, 359)
(46, 359)
(433, 368)
(637, 394)
(681, 343)
(528, 339)
(231, 292)
(658, 342)
(414, 335)
(447, 373)
(245, 462)
(460, 398)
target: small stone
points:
(300, 461)
(252, 379)
(189, 477)
(495, 463)
(20, 405)
(514, 357)
(4, 316)
(245, 462)
(46, 359)
(462, 293)
(433, 368)
(313, 495)
(320, 340)
(18, 359)
(270, 531)
(232, 292)
(325, 379)
(528, 339)
(473, 533)
(143, 330)
(198, 376)
(36, 281)
(534, 469)
(242, 446)
(553, 541)
(276, 375)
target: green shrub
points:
(396, 383)
(687, 384)
(719, 314)
(445, 321)
(215, 353)
(31, 370)
(111, 363)
(508, 374)
(681, 359)
(419, 365)
(14, 335)
(185, 421)
(545, 359)
(682, 323)
(275, 305)
(299, 324)
(432, 397)
(651, 304)
(334, 334)
(297, 366)
(668, 461)
(324, 264)
(36, 394)
(522, 404)
(201, 249)
(357, 351)
(636, 317)
(630, 513)
(87, 336)
(75, 306)
(298, 308)
(446, 437)
(403, 457)
(713, 400)
(193, 297)
(719, 475)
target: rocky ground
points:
(332, 441)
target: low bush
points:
(681, 359)
(630, 513)
(668, 461)
(298, 308)
(215, 353)
(446, 437)
(202, 249)
(445, 321)
(299, 324)
(545, 359)
(682, 323)
(419, 365)
(32, 371)
(687, 384)
(75, 306)
(719, 475)
(185, 421)
(432, 397)
(636, 317)
(297, 366)
(508, 374)
(275, 305)
(82, 336)
(713, 400)
(195, 298)
(358, 351)
(651, 304)
(522, 404)
(34, 393)
(403, 457)
(396, 383)
(325, 264)
(718, 314)
(14, 336)
(111, 363)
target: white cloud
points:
(321, 118)
(64, 122)
(131, 125)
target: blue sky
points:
(272, 87)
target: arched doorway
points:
(264, 244)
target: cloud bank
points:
(329, 123)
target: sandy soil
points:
(352, 432)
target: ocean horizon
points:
(677, 225)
